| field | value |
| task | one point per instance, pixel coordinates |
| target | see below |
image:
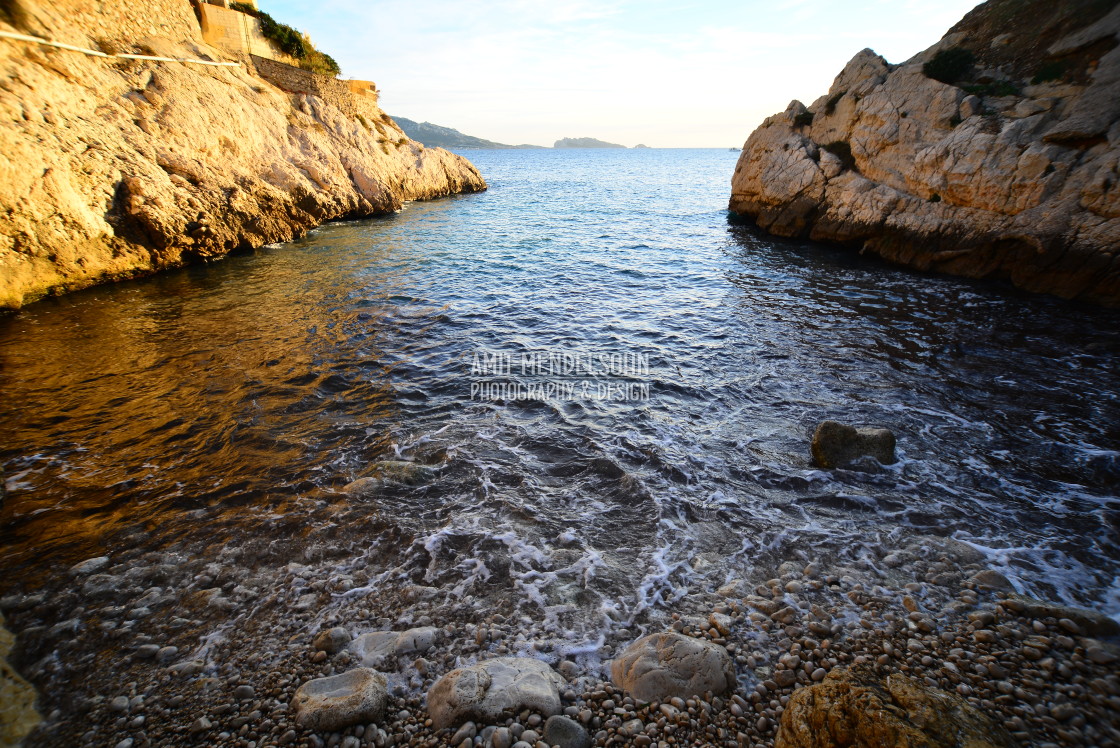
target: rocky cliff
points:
(115, 168)
(993, 154)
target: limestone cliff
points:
(1009, 170)
(116, 168)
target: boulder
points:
(856, 707)
(328, 704)
(836, 445)
(565, 732)
(486, 691)
(376, 647)
(332, 640)
(660, 666)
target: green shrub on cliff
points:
(291, 42)
(804, 119)
(949, 65)
(319, 62)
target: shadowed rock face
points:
(855, 707)
(1010, 172)
(114, 169)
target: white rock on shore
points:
(354, 697)
(661, 666)
(492, 688)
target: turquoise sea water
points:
(677, 365)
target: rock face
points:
(485, 691)
(836, 444)
(854, 707)
(18, 716)
(660, 666)
(116, 168)
(1009, 171)
(329, 704)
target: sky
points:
(664, 74)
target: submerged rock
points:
(836, 445)
(390, 471)
(662, 666)
(327, 704)
(485, 691)
(856, 707)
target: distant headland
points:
(584, 143)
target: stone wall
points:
(298, 80)
(234, 31)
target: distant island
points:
(437, 136)
(583, 143)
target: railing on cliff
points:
(95, 53)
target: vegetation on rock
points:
(949, 65)
(291, 42)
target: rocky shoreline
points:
(216, 653)
(119, 168)
(991, 154)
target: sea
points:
(606, 386)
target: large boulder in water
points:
(486, 691)
(660, 666)
(837, 444)
(856, 707)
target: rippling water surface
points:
(234, 400)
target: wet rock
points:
(485, 691)
(390, 471)
(566, 733)
(1089, 621)
(990, 579)
(855, 706)
(328, 704)
(836, 444)
(377, 647)
(332, 640)
(90, 566)
(660, 666)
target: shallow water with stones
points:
(212, 415)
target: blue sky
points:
(667, 74)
